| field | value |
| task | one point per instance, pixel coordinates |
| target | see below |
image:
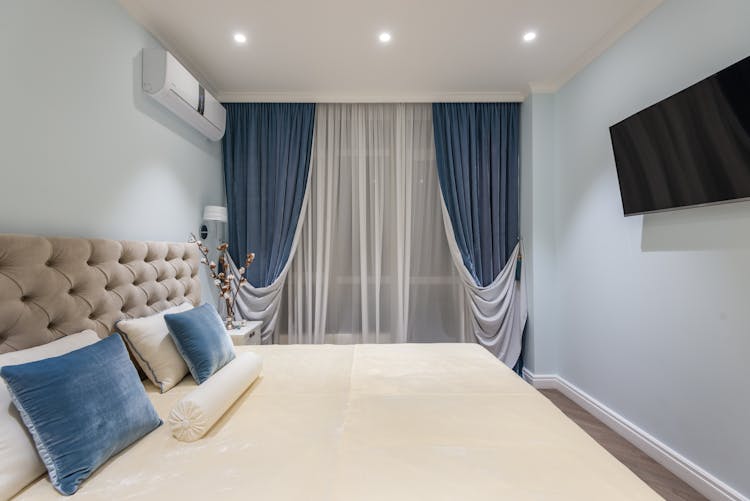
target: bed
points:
(380, 422)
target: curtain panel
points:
(373, 263)
(266, 152)
(476, 146)
(477, 152)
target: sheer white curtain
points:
(373, 263)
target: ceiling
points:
(328, 50)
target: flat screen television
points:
(692, 148)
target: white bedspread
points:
(370, 422)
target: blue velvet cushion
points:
(201, 339)
(81, 408)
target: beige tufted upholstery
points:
(52, 287)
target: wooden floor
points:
(655, 475)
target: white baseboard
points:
(695, 476)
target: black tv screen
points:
(692, 148)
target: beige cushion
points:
(153, 348)
(20, 463)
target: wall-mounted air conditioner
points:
(167, 81)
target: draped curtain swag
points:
(266, 150)
(476, 147)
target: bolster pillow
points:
(197, 412)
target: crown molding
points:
(542, 88)
(344, 97)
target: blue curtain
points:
(266, 151)
(476, 146)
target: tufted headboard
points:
(52, 287)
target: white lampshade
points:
(215, 213)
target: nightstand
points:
(247, 334)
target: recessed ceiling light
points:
(384, 37)
(240, 38)
(529, 36)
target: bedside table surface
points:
(246, 334)
(250, 326)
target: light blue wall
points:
(83, 152)
(654, 311)
(537, 205)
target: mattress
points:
(370, 422)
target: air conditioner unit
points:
(167, 81)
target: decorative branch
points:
(224, 280)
